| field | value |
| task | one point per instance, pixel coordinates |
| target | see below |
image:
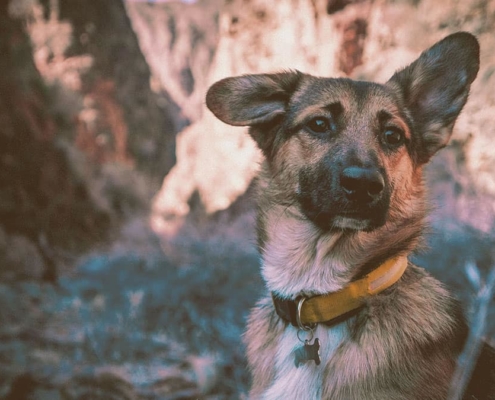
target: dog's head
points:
(349, 153)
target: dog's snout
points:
(362, 184)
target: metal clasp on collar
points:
(308, 327)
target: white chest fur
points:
(304, 382)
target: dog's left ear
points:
(435, 87)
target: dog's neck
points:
(299, 258)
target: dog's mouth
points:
(354, 223)
(358, 220)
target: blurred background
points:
(127, 244)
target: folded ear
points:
(435, 87)
(251, 99)
(254, 100)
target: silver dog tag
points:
(308, 352)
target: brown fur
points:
(317, 231)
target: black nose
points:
(362, 184)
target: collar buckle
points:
(308, 327)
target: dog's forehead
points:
(357, 97)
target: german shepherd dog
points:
(341, 205)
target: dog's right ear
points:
(252, 100)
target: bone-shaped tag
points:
(308, 352)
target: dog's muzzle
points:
(355, 198)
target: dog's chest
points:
(306, 380)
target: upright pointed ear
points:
(435, 87)
(253, 100)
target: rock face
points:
(41, 196)
(134, 123)
(78, 117)
(360, 39)
(90, 55)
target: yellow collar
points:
(323, 308)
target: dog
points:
(341, 206)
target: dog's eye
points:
(393, 137)
(319, 125)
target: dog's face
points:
(344, 139)
(349, 153)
